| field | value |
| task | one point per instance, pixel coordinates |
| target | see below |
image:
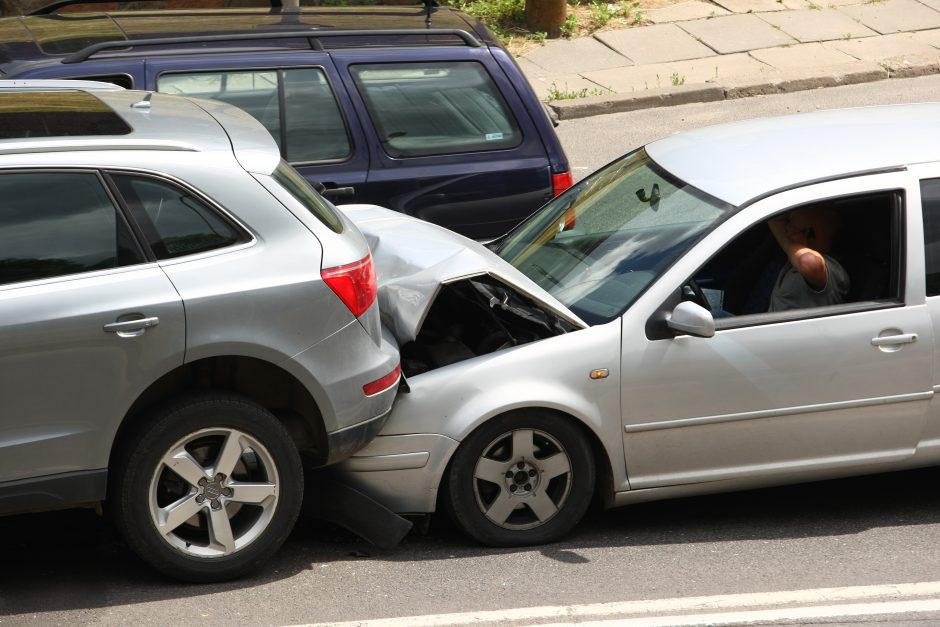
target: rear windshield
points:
(57, 114)
(435, 108)
(300, 189)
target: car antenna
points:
(427, 5)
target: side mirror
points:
(691, 318)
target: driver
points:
(812, 278)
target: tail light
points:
(561, 182)
(380, 385)
(354, 283)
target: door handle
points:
(894, 340)
(338, 192)
(131, 328)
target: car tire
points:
(521, 479)
(230, 499)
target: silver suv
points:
(182, 318)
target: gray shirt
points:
(791, 291)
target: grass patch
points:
(506, 18)
(565, 94)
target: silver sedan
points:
(744, 305)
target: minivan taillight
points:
(354, 283)
(561, 182)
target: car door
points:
(790, 394)
(298, 97)
(86, 322)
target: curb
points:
(747, 86)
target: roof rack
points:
(52, 7)
(312, 36)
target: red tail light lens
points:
(354, 283)
(561, 182)
(380, 385)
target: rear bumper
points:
(343, 443)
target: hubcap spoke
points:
(554, 466)
(501, 508)
(490, 470)
(185, 465)
(253, 493)
(523, 446)
(175, 514)
(220, 530)
(230, 454)
(542, 506)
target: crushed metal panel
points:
(413, 259)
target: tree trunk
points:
(545, 16)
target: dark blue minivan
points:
(420, 110)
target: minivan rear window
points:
(421, 109)
(296, 105)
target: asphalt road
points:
(69, 568)
(592, 142)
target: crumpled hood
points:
(413, 258)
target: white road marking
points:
(764, 617)
(790, 604)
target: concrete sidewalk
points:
(701, 51)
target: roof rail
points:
(312, 35)
(46, 84)
(52, 7)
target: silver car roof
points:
(163, 122)
(741, 161)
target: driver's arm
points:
(808, 262)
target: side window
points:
(173, 221)
(308, 125)
(930, 199)
(59, 223)
(857, 236)
(435, 108)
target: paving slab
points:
(551, 86)
(894, 16)
(884, 47)
(684, 11)
(817, 25)
(839, 3)
(803, 56)
(677, 73)
(777, 81)
(736, 33)
(751, 6)
(910, 66)
(531, 70)
(654, 44)
(575, 56)
(929, 37)
(933, 4)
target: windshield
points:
(599, 245)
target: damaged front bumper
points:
(445, 299)
(402, 472)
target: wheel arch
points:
(260, 381)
